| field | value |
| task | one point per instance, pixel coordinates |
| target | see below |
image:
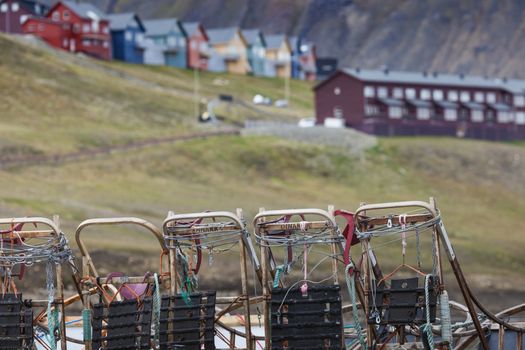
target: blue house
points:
(127, 37)
(165, 43)
(256, 50)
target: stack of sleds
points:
(304, 268)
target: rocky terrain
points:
(469, 36)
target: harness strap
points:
(348, 233)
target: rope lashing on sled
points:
(350, 284)
(427, 327)
(392, 229)
(156, 310)
(86, 325)
(21, 252)
(52, 312)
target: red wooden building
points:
(384, 102)
(15, 12)
(76, 27)
(198, 51)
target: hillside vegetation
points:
(56, 102)
(78, 103)
(469, 36)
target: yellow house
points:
(278, 56)
(228, 51)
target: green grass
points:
(78, 103)
(56, 103)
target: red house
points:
(385, 102)
(197, 45)
(76, 27)
(15, 12)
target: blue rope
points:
(278, 272)
(86, 324)
(350, 284)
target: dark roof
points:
(275, 41)
(500, 106)
(250, 35)
(162, 26)
(442, 79)
(85, 10)
(191, 27)
(472, 105)
(221, 35)
(420, 103)
(122, 21)
(392, 102)
(446, 104)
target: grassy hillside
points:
(81, 103)
(56, 102)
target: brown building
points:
(387, 102)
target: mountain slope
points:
(473, 36)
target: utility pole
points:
(196, 97)
(287, 88)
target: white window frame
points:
(139, 38)
(504, 116)
(55, 16)
(128, 36)
(369, 91)
(479, 97)
(464, 96)
(437, 95)
(395, 112)
(453, 96)
(86, 28)
(520, 118)
(382, 92)
(519, 100)
(450, 114)
(423, 113)
(491, 97)
(371, 110)
(477, 116)
(410, 93)
(15, 7)
(66, 15)
(23, 18)
(4, 7)
(105, 44)
(397, 92)
(338, 112)
(425, 94)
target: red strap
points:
(348, 233)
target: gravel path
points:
(354, 141)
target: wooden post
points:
(333, 247)
(244, 280)
(60, 294)
(266, 293)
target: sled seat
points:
(403, 303)
(16, 323)
(188, 323)
(122, 325)
(313, 321)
